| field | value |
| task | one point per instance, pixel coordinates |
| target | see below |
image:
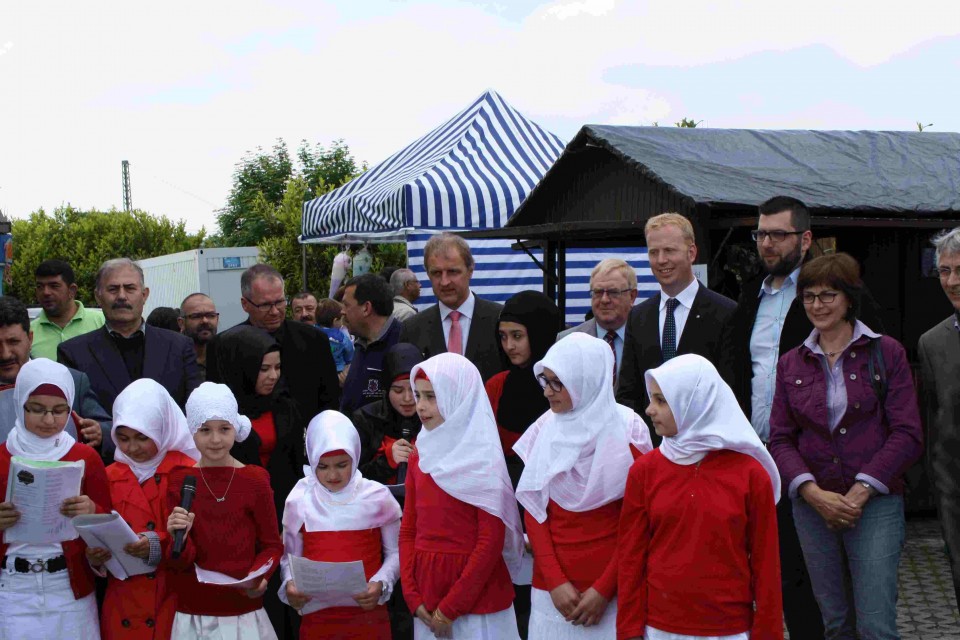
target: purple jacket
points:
(864, 441)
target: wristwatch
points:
(866, 485)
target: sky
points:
(182, 90)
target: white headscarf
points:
(579, 459)
(463, 455)
(146, 406)
(360, 505)
(21, 442)
(707, 414)
(211, 401)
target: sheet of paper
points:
(37, 489)
(250, 581)
(110, 531)
(329, 584)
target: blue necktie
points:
(669, 346)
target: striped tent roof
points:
(471, 172)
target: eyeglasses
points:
(825, 297)
(613, 294)
(265, 307)
(759, 235)
(212, 315)
(944, 272)
(554, 384)
(39, 410)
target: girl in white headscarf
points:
(152, 439)
(231, 528)
(460, 538)
(46, 590)
(334, 514)
(577, 456)
(698, 534)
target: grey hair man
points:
(406, 291)
(939, 350)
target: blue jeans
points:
(854, 572)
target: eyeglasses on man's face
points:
(264, 307)
(777, 236)
(613, 294)
(208, 315)
(944, 272)
(554, 383)
(825, 297)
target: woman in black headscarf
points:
(249, 363)
(389, 427)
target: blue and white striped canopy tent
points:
(472, 172)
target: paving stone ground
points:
(927, 609)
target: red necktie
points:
(611, 339)
(455, 341)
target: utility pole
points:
(127, 202)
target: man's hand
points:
(90, 432)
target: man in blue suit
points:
(125, 348)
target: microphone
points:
(406, 433)
(186, 501)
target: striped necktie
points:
(611, 339)
(669, 346)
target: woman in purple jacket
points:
(844, 429)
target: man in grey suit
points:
(940, 369)
(613, 290)
(460, 322)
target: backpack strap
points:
(878, 371)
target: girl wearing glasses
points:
(698, 534)
(460, 537)
(576, 456)
(844, 429)
(47, 589)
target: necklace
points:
(211, 490)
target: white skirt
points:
(546, 623)
(41, 606)
(656, 634)
(501, 625)
(249, 626)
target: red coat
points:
(96, 487)
(141, 606)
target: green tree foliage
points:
(86, 239)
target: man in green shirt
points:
(62, 317)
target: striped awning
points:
(471, 172)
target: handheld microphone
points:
(186, 501)
(406, 433)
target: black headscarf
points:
(522, 400)
(240, 354)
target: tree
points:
(86, 239)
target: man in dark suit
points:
(125, 348)
(683, 317)
(940, 370)
(306, 362)
(460, 322)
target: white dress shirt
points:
(680, 314)
(466, 315)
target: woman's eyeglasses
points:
(825, 297)
(554, 384)
(40, 410)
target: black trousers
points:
(804, 621)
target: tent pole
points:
(562, 281)
(303, 258)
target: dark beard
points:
(787, 264)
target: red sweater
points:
(94, 486)
(698, 546)
(141, 607)
(451, 553)
(233, 537)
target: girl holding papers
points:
(460, 537)
(47, 589)
(577, 456)
(152, 440)
(336, 515)
(231, 529)
(698, 533)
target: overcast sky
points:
(183, 89)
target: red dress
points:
(451, 553)
(233, 537)
(346, 623)
(698, 546)
(141, 607)
(95, 486)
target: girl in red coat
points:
(232, 528)
(152, 438)
(698, 533)
(337, 515)
(460, 538)
(46, 589)
(577, 456)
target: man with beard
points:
(63, 316)
(304, 307)
(198, 321)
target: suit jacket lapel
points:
(435, 331)
(154, 356)
(691, 328)
(479, 323)
(106, 354)
(651, 326)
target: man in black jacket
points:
(307, 363)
